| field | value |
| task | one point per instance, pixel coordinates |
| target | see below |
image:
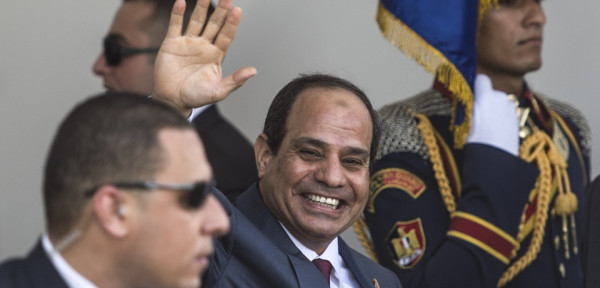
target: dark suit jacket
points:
(591, 234)
(229, 153)
(258, 253)
(35, 271)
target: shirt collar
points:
(341, 276)
(72, 277)
(330, 254)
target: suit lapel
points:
(358, 272)
(306, 272)
(250, 203)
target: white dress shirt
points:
(72, 277)
(197, 111)
(341, 276)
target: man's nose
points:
(100, 67)
(535, 14)
(331, 172)
(217, 221)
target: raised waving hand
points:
(187, 71)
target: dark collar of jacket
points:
(36, 270)
(208, 118)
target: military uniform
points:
(418, 233)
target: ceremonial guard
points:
(487, 212)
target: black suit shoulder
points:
(247, 257)
(591, 232)
(230, 154)
(34, 271)
(11, 273)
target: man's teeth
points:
(323, 201)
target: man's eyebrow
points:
(350, 150)
(310, 141)
(357, 151)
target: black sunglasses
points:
(114, 52)
(194, 197)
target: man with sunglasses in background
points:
(127, 194)
(127, 64)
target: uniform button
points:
(556, 242)
(562, 270)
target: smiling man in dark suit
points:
(313, 162)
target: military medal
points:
(522, 116)
(560, 140)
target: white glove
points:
(494, 119)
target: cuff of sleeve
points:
(197, 111)
(191, 117)
(482, 234)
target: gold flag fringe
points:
(484, 5)
(364, 237)
(415, 47)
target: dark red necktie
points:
(324, 266)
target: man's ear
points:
(262, 153)
(110, 211)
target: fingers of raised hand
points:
(216, 20)
(198, 18)
(228, 31)
(235, 80)
(176, 21)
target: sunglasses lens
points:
(112, 51)
(196, 196)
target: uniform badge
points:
(560, 140)
(397, 179)
(406, 241)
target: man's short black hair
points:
(158, 23)
(109, 138)
(275, 123)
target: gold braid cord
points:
(436, 160)
(540, 148)
(362, 233)
(360, 227)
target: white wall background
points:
(47, 49)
